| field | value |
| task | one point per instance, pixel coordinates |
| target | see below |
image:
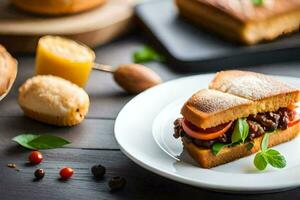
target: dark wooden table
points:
(93, 143)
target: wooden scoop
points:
(133, 78)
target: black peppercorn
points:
(39, 173)
(116, 183)
(98, 171)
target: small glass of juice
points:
(65, 58)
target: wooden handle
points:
(104, 68)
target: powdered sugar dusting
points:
(210, 101)
(249, 85)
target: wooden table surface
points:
(93, 142)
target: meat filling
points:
(258, 125)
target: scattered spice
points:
(12, 165)
(116, 183)
(98, 171)
(39, 174)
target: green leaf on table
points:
(275, 159)
(147, 54)
(217, 147)
(258, 2)
(265, 142)
(240, 132)
(24, 139)
(260, 161)
(31, 141)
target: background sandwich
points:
(229, 120)
(246, 21)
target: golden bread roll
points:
(53, 100)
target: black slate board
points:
(190, 49)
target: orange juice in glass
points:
(65, 58)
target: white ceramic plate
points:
(144, 131)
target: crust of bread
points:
(8, 71)
(241, 20)
(56, 7)
(236, 94)
(73, 118)
(206, 159)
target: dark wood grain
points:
(141, 184)
(90, 134)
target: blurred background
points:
(163, 25)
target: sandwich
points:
(246, 21)
(8, 72)
(236, 99)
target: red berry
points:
(66, 173)
(35, 157)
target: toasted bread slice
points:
(208, 108)
(206, 159)
(243, 21)
(236, 94)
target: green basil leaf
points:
(275, 159)
(260, 162)
(250, 146)
(48, 142)
(265, 142)
(24, 139)
(245, 130)
(258, 2)
(237, 131)
(240, 132)
(217, 147)
(31, 141)
(147, 54)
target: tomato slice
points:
(204, 134)
(293, 106)
(293, 123)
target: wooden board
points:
(20, 31)
(190, 48)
